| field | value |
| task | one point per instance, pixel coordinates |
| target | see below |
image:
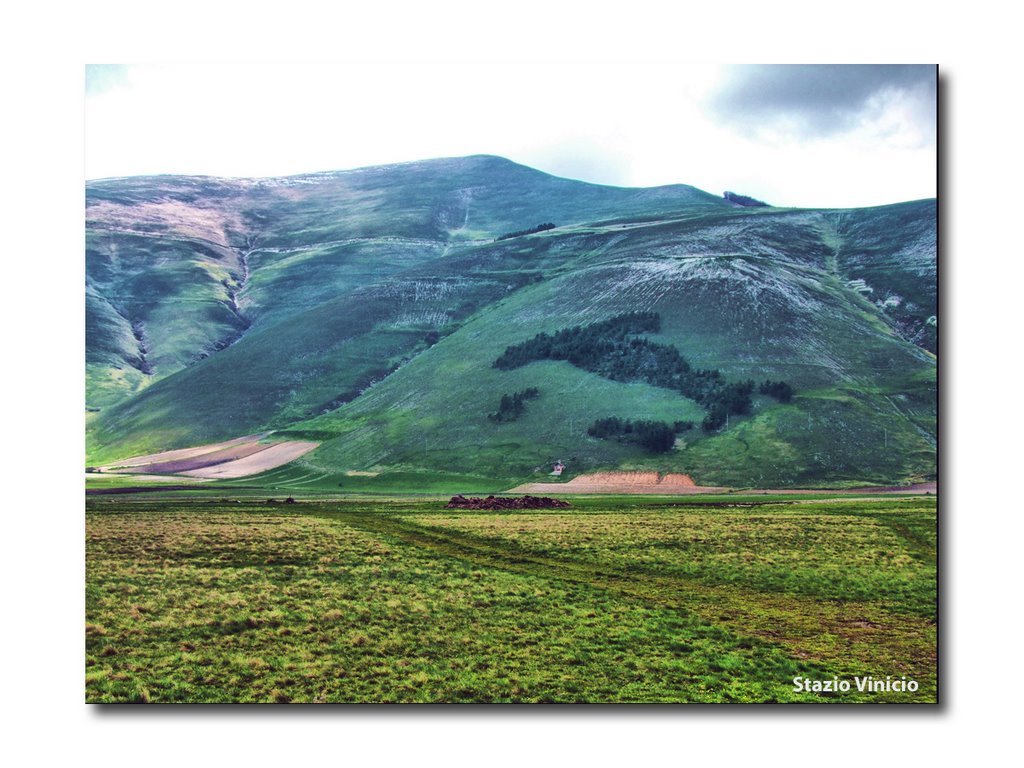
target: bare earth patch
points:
(271, 457)
(223, 456)
(180, 454)
(230, 459)
(622, 482)
(678, 484)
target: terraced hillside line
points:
(320, 244)
(924, 433)
(849, 636)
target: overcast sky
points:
(822, 135)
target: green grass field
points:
(618, 599)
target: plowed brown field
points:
(178, 455)
(273, 456)
(622, 482)
(203, 460)
(656, 483)
(233, 458)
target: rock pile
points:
(494, 502)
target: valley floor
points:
(628, 599)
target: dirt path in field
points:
(126, 489)
(270, 457)
(874, 490)
(655, 483)
(135, 478)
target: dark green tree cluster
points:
(513, 406)
(750, 202)
(612, 349)
(531, 231)
(655, 436)
(731, 399)
(585, 346)
(780, 390)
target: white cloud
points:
(636, 122)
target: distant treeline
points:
(512, 406)
(750, 202)
(780, 390)
(656, 436)
(532, 231)
(611, 349)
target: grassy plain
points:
(400, 600)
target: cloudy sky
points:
(822, 135)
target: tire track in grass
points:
(918, 546)
(305, 480)
(296, 480)
(846, 637)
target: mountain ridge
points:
(324, 292)
(407, 164)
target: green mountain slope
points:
(366, 309)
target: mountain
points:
(365, 309)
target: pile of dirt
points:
(494, 502)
